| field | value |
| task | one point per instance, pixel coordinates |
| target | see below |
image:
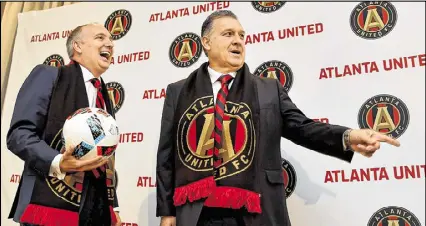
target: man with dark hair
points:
(56, 188)
(219, 158)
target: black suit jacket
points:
(24, 138)
(279, 117)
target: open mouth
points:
(105, 55)
(235, 52)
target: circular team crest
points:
(373, 20)
(118, 23)
(384, 113)
(54, 60)
(116, 94)
(196, 144)
(185, 50)
(71, 187)
(267, 7)
(278, 70)
(290, 177)
(393, 216)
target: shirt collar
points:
(87, 75)
(214, 75)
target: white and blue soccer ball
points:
(91, 132)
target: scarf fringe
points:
(49, 216)
(194, 191)
(234, 198)
(222, 196)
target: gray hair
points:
(208, 23)
(74, 36)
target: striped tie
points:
(219, 112)
(100, 103)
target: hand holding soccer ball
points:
(70, 164)
(90, 137)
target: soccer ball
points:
(91, 132)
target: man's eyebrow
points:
(230, 29)
(104, 35)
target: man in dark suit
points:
(56, 188)
(219, 160)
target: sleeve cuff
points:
(343, 141)
(55, 170)
(117, 209)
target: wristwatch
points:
(346, 140)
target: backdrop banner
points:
(358, 64)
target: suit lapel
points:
(108, 104)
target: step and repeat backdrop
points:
(359, 64)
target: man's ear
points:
(205, 41)
(76, 47)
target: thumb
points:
(68, 149)
(368, 137)
(370, 141)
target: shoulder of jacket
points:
(268, 82)
(176, 86)
(177, 83)
(45, 72)
(45, 67)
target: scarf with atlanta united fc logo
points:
(229, 185)
(60, 202)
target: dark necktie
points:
(219, 112)
(100, 103)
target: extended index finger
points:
(387, 139)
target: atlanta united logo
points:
(384, 113)
(195, 134)
(116, 94)
(54, 60)
(185, 50)
(277, 70)
(393, 216)
(373, 20)
(118, 23)
(70, 188)
(267, 7)
(290, 177)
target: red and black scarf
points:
(232, 186)
(57, 202)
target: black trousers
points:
(220, 217)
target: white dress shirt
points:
(214, 76)
(55, 170)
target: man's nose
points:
(238, 40)
(109, 43)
